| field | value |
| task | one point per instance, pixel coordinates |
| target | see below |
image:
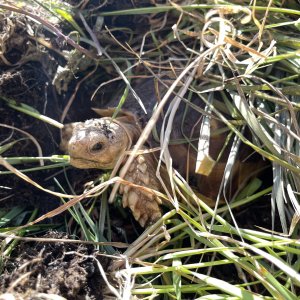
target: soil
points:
(27, 71)
(68, 270)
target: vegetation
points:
(245, 248)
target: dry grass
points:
(248, 55)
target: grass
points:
(248, 54)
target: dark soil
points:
(69, 270)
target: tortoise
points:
(101, 143)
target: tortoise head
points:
(99, 143)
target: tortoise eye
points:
(97, 147)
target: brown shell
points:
(90, 147)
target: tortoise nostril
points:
(97, 147)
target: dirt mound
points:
(69, 270)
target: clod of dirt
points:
(67, 270)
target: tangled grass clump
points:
(238, 59)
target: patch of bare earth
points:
(68, 270)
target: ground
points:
(54, 268)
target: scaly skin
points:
(97, 143)
(100, 144)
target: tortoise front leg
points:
(143, 203)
